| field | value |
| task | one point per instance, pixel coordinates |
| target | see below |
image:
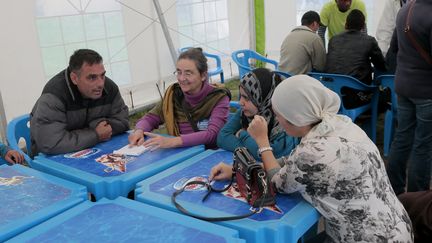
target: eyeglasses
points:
(186, 74)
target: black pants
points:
(353, 98)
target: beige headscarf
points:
(303, 100)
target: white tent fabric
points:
(22, 75)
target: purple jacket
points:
(207, 137)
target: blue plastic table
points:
(285, 223)
(111, 180)
(124, 220)
(29, 197)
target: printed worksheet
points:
(133, 150)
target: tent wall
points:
(22, 76)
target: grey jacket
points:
(63, 121)
(301, 51)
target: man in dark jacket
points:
(351, 53)
(78, 108)
(413, 137)
(419, 208)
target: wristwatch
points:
(263, 149)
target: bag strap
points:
(426, 56)
(210, 189)
(188, 114)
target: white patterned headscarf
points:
(303, 100)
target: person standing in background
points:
(413, 138)
(387, 24)
(333, 16)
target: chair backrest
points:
(387, 81)
(234, 106)
(19, 128)
(245, 60)
(284, 75)
(211, 58)
(336, 82)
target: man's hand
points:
(104, 131)
(156, 141)
(136, 138)
(14, 157)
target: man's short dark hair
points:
(83, 55)
(309, 17)
(355, 20)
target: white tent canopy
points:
(39, 36)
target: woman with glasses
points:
(256, 90)
(192, 110)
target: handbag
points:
(251, 181)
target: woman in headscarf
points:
(256, 90)
(336, 167)
(192, 110)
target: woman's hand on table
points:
(136, 138)
(156, 141)
(221, 171)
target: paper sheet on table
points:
(134, 150)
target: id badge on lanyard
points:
(203, 125)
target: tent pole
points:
(252, 39)
(3, 122)
(166, 31)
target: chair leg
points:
(388, 131)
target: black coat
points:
(351, 53)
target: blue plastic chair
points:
(284, 75)
(214, 71)
(390, 120)
(336, 82)
(244, 60)
(19, 128)
(233, 105)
